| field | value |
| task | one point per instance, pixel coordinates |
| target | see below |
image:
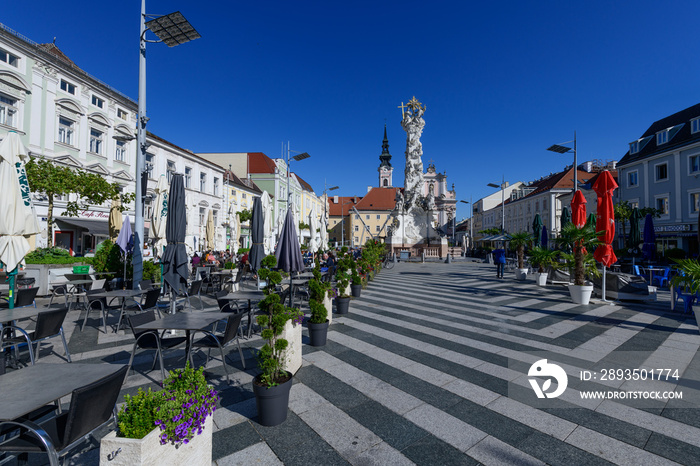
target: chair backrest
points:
(49, 323)
(60, 290)
(220, 294)
(202, 270)
(228, 307)
(25, 296)
(195, 286)
(98, 284)
(232, 324)
(635, 269)
(151, 299)
(92, 405)
(146, 284)
(139, 319)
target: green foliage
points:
(109, 258)
(675, 253)
(229, 266)
(317, 293)
(275, 316)
(519, 241)
(542, 257)
(579, 239)
(151, 271)
(343, 272)
(137, 417)
(490, 231)
(242, 251)
(51, 256)
(245, 215)
(303, 226)
(688, 274)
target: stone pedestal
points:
(291, 361)
(328, 304)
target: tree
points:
(623, 212)
(45, 177)
(245, 215)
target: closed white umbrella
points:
(160, 216)
(313, 225)
(324, 232)
(267, 222)
(209, 230)
(235, 232)
(17, 215)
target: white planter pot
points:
(117, 451)
(328, 304)
(541, 278)
(521, 274)
(291, 361)
(580, 294)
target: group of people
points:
(208, 258)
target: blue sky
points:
(502, 81)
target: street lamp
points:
(471, 220)
(560, 149)
(503, 187)
(299, 156)
(342, 228)
(325, 203)
(172, 29)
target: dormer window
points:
(662, 137)
(639, 144)
(634, 147)
(695, 125)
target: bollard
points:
(422, 257)
(449, 259)
(394, 258)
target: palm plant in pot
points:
(688, 279)
(519, 241)
(542, 258)
(272, 385)
(580, 240)
(318, 322)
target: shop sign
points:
(94, 214)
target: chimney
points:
(369, 188)
(335, 199)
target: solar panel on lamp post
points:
(299, 156)
(172, 29)
(561, 149)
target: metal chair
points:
(95, 304)
(49, 324)
(91, 407)
(662, 278)
(211, 340)
(149, 301)
(150, 340)
(60, 291)
(194, 290)
(146, 284)
(23, 298)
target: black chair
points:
(58, 292)
(91, 407)
(211, 340)
(23, 298)
(149, 301)
(150, 340)
(48, 324)
(194, 291)
(146, 284)
(96, 304)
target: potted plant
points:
(580, 261)
(688, 279)
(542, 258)
(318, 322)
(170, 426)
(518, 241)
(271, 387)
(342, 302)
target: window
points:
(216, 186)
(357, 227)
(242, 195)
(96, 141)
(632, 179)
(120, 155)
(544, 204)
(8, 111)
(694, 163)
(378, 228)
(357, 217)
(366, 217)
(170, 170)
(634, 147)
(694, 202)
(215, 214)
(662, 137)
(537, 206)
(66, 131)
(662, 204)
(379, 217)
(97, 102)
(67, 87)
(695, 125)
(10, 59)
(661, 171)
(122, 114)
(188, 177)
(202, 215)
(202, 182)
(149, 164)
(148, 206)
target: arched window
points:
(386, 182)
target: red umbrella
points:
(578, 209)
(604, 187)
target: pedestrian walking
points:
(499, 258)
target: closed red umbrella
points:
(578, 209)
(604, 187)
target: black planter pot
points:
(272, 403)
(318, 333)
(342, 305)
(356, 290)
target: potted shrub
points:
(518, 241)
(579, 261)
(542, 258)
(342, 302)
(318, 322)
(170, 426)
(271, 387)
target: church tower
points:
(385, 168)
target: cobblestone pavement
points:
(418, 373)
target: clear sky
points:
(502, 81)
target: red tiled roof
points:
(260, 163)
(378, 199)
(55, 51)
(304, 185)
(343, 206)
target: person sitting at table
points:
(195, 261)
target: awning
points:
(97, 227)
(498, 237)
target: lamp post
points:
(560, 149)
(471, 220)
(172, 29)
(299, 156)
(503, 187)
(325, 201)
(342, 228)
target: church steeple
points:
(385, 169)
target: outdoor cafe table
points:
(652, 269)
(32, 387)
(251, 297)
(187, 321)
(122, 294)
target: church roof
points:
(378, 199)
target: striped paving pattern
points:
(418, 373)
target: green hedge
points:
(54, 256)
